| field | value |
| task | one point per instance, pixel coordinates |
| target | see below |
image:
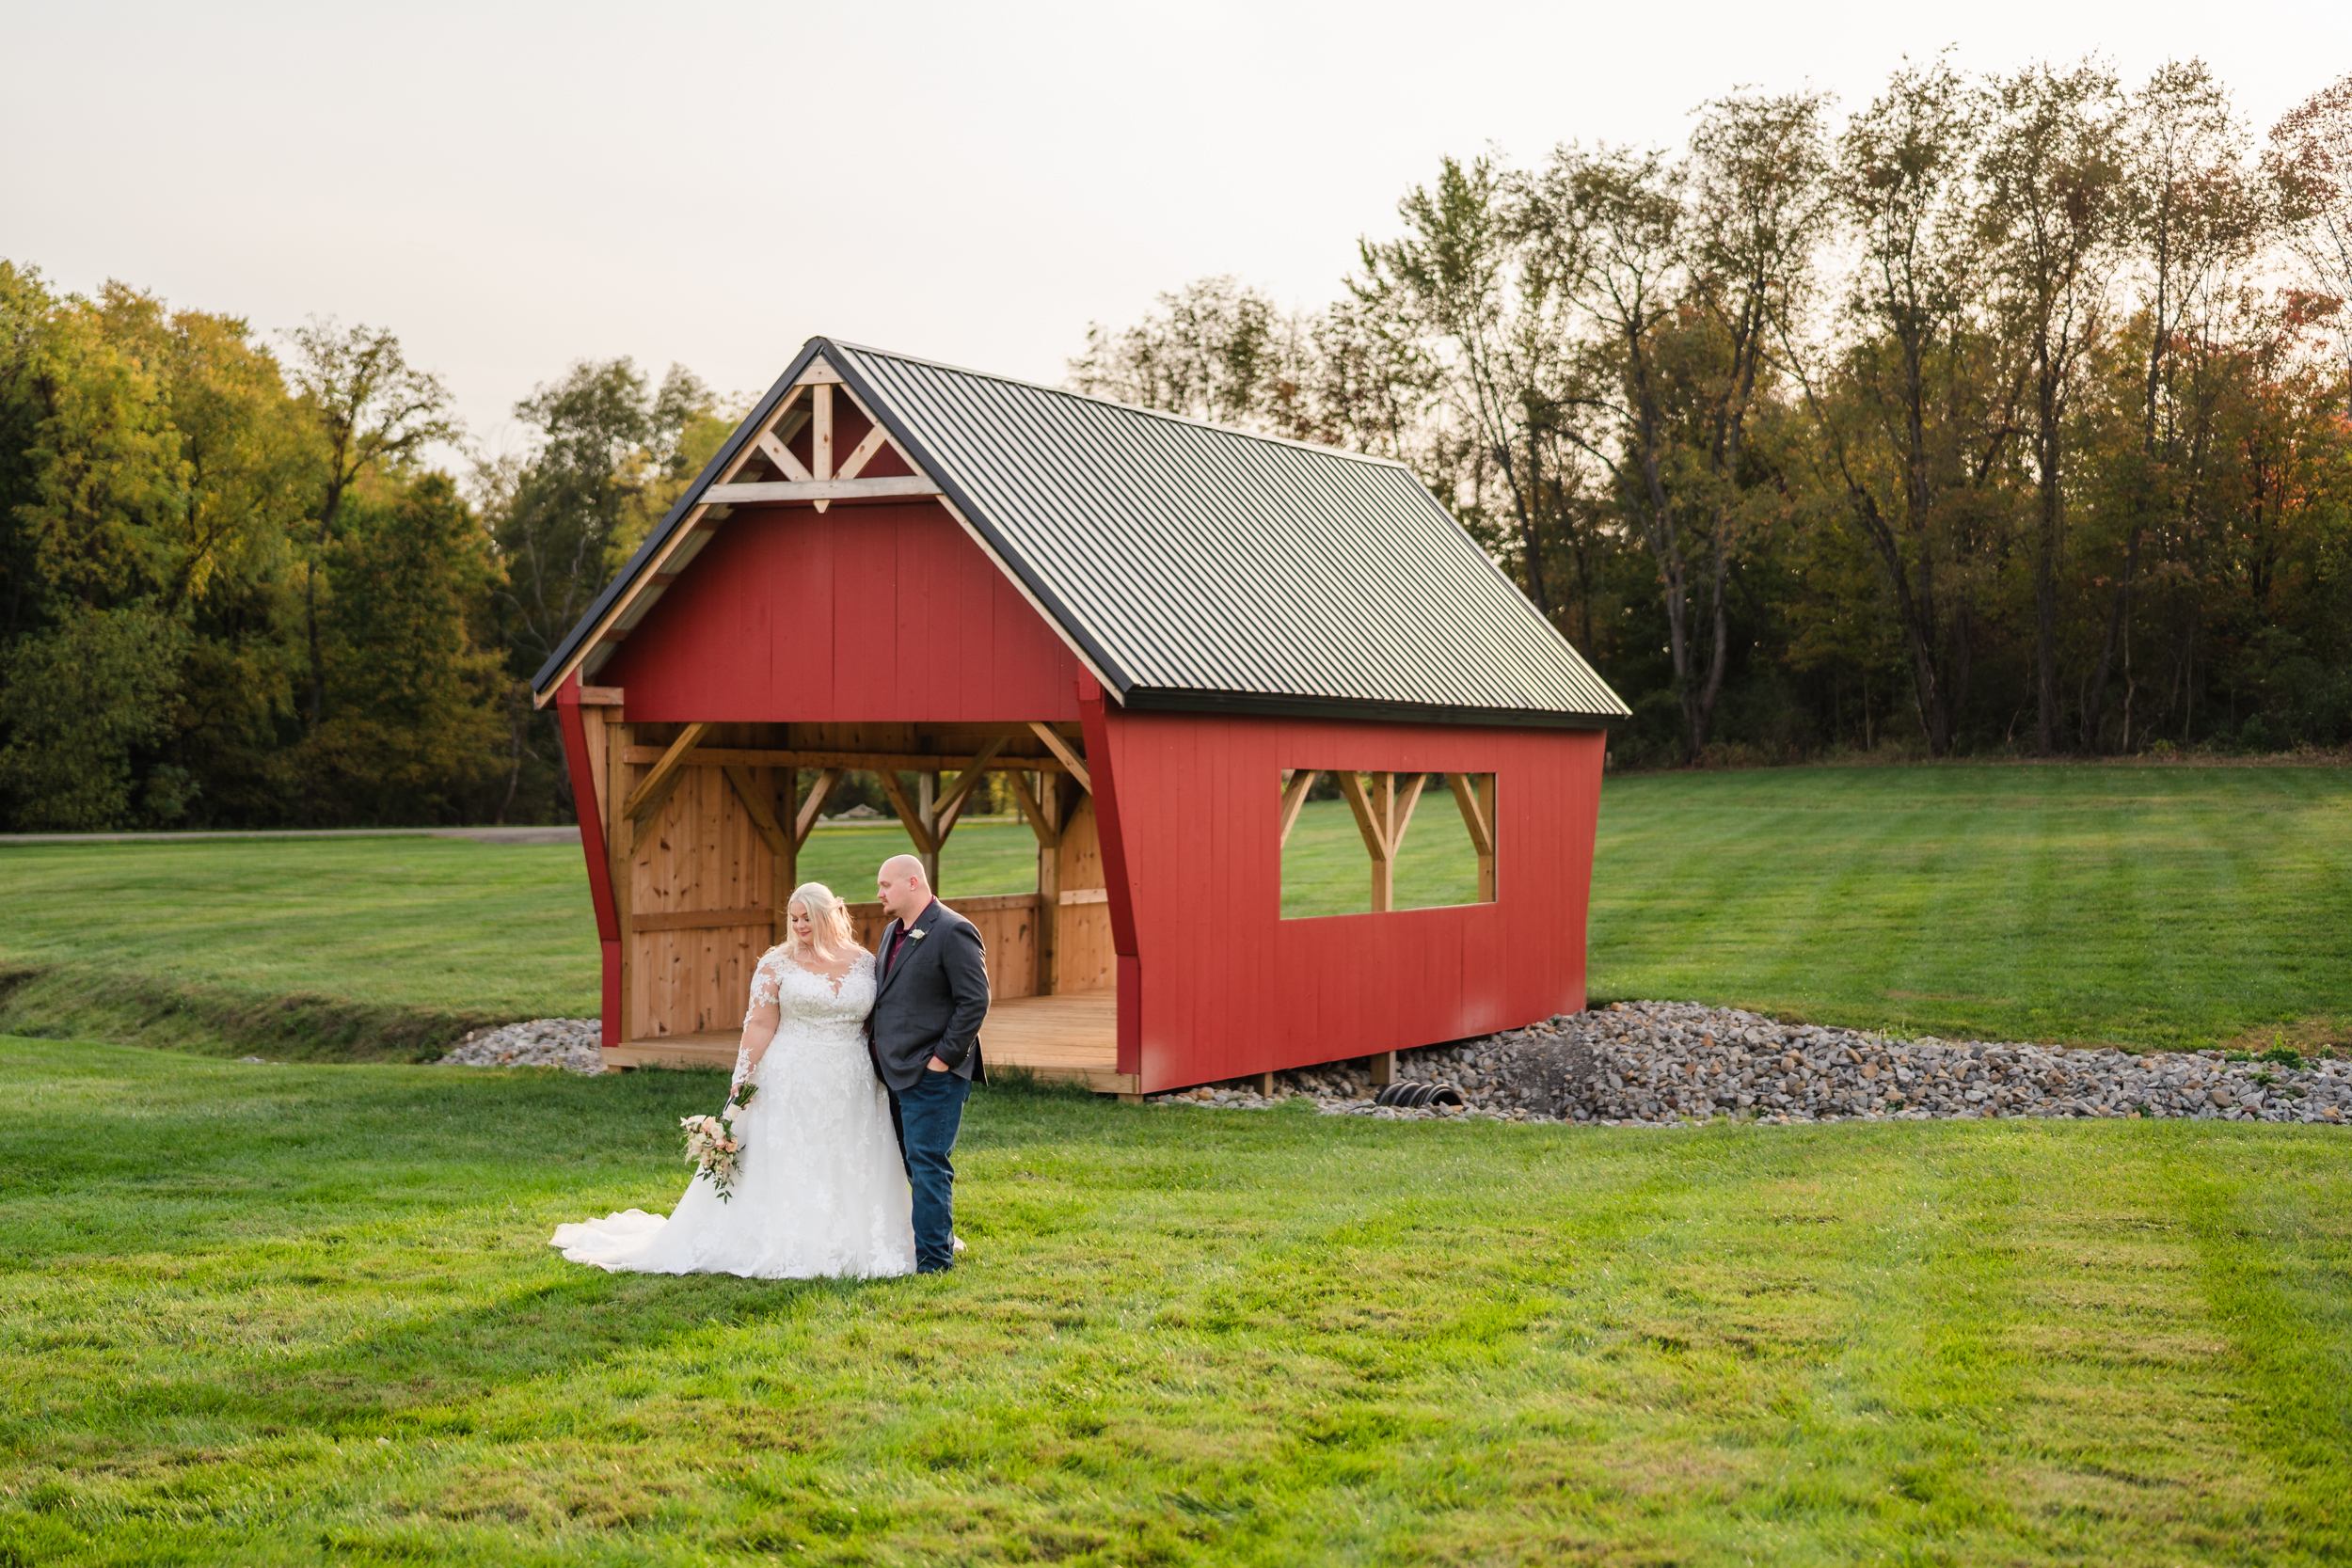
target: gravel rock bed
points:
(570, 1043)
(1669, 1063)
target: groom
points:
(926, 1040)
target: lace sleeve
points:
(766, 988)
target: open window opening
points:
(1370, 843)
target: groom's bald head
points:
(902, 886)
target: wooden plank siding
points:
(863, 614)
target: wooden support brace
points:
(1061, 748)
(1294, 798)
(654, 787)
(827, 782)
(1048, 837)
(909, 818)
(763, 815)
(781, 455)
(951, 805)
(1352, 786)
(1465, 787)
(864, 452)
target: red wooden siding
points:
(879, 614)
(1229, 987)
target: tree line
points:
(2011, 414)
(234, 591)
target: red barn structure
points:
(1163, 631)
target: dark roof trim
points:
(1121, 681)
(687, 502)
(1142, 699)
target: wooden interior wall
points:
(1008, 927)
(1083, 959)
(697, 856)
(698, 860)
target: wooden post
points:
(1265, 1086)
(1050, 808)
(620, 838)
(915, 819)
(927, 808)
(1383, 1068)
(1487, 855)
(786, 788)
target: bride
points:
(821, 1188)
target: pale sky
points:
(512, 188)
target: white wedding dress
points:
(819, 1191)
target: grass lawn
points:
(303, 1314)
(2175, 906)
(2143, 904)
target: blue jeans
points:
(926, 1118)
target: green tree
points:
(79, 697)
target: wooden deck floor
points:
(1058, 1038)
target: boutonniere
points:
(916, 936)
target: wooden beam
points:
(1294, 798)
(1061, 748)
(879, 762)
(1482, 833)
(706, 920)
(827, 782)
(909, 818)
(654, 787)
(781, 455)
(951, 805)
(821, 491)
(1070, 896)
(600, 696)
(864, 452)
(763, 815)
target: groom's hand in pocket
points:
(937, 1065)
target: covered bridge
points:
(1163, 631)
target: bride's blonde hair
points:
(828, 924)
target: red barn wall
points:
(1230, 988)
(875, 614)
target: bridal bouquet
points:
(712, 1145)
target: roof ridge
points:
(1123, 407)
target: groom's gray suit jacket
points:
(929, 1000)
